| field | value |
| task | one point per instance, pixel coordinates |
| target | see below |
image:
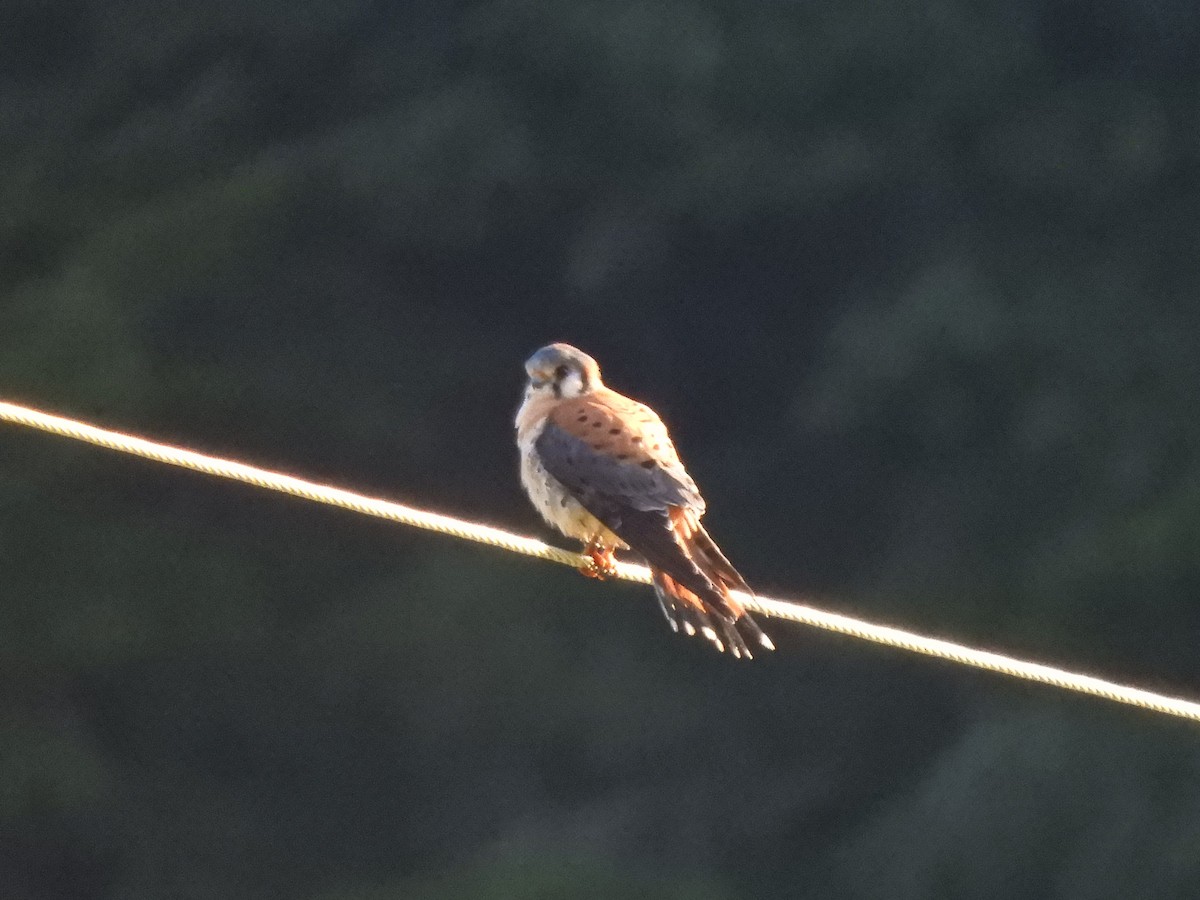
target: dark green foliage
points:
(915, 286)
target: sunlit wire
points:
(484, 534)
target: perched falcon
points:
(601, 467)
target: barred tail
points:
(712, 617)
(692, 578)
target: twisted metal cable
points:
(495, 537)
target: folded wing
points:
(615, 457)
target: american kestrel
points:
(601, 468)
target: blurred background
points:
(914, 284)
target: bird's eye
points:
(560, 373)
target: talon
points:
(591, 570)
(602, 565)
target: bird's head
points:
(563, 371)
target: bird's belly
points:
(558, 507)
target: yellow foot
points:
(603, 564)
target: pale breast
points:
(548, 495)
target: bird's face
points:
(560, 370)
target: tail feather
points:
(691, 576)
(719, 572)
(684, 610)
(687, 611)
